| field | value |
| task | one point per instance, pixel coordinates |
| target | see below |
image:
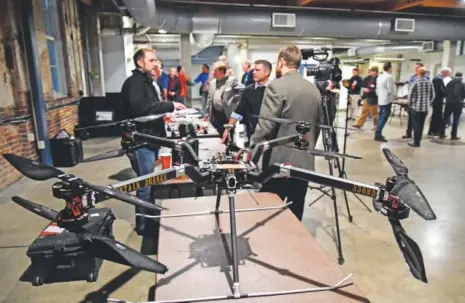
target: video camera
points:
(327, 70)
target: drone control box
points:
(58, 254)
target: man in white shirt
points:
(385, 89)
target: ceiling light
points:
(162, 31)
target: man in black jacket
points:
(455, 94)
(355, 85)
(370, 99)
(251, 99)
(438, 104)
(141, 99)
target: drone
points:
(228, 172)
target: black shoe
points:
(442, 136)
(381, 139)
(413, 144)
(140, 228)
(406, 137)
(455, 138)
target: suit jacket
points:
(290, 97)
(455, 91)
(439, 90)
(230, 97)
(247, 78)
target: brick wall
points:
(14, 137)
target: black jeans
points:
(409, 123)
(454, 109)
(418, 124)
(436, 119)
(294, 189)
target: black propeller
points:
(106, 155)
(410, 250)
(99, 246)
(406, 189)
(40, 172)
(288, 121)
(143, 119)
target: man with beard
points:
(290, 96)
(140, 98)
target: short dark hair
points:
(387, 66)
(206, 66)
(266, 64)
(458, 74)
(355, 69)
(291, 55)
(179, 68)
(140, 54)
(419, 63)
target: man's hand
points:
(179, 106)
(226, 137)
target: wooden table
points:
(276, 252)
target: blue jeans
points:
(384, 113)
(143, 164)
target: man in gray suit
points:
(224, 93)
(290, 97)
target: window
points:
(55, 47)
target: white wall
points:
(117, 52)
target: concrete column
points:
(94, 55)
(186, 62)
(448, 55)
(235, 57)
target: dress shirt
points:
(421, 95)
(385, 88)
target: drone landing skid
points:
(341, 284)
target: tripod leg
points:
(218, 200)
(336, 217)
(235, 265)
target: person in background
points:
(229, 70)
(251, 100)
(247, 77)
(290, 96)
(224, 93)
(370, 99)
(155, 75)
(438, 104)
(355, 85)
(162, 82)
(139, 98)
(420, 97)
(411, 81)
(202, 78)
(455, 95)
(184, 81)
(174, 87)
(385, 89)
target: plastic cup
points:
(166, 160)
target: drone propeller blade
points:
(97, 126)
(397, 164)
(322, 153)
(106, 155)
(114, 251)
(148, 118)
(32, 169)
(410, 194)
(288, 121)
(410, 250)
(123, 196)
(38, 209)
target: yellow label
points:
(362, 190)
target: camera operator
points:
(140, 98)
(290, 96)
(355, 85)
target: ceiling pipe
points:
(232, 20)
(366, 51)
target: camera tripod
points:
(330, 145)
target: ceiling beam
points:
(400, 5)
(444, 4)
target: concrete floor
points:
(369, 247)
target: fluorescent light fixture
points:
(162, 31)
(389, 59)
(353, 60)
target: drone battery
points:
(186, 156)
(57, 254)
(66, 152)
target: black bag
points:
(57, 254)
(66, 149)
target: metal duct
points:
(365, 51)
(309, 23)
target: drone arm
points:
(263, 146)
(157, 140)
(336, 182)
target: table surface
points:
(276, 253)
